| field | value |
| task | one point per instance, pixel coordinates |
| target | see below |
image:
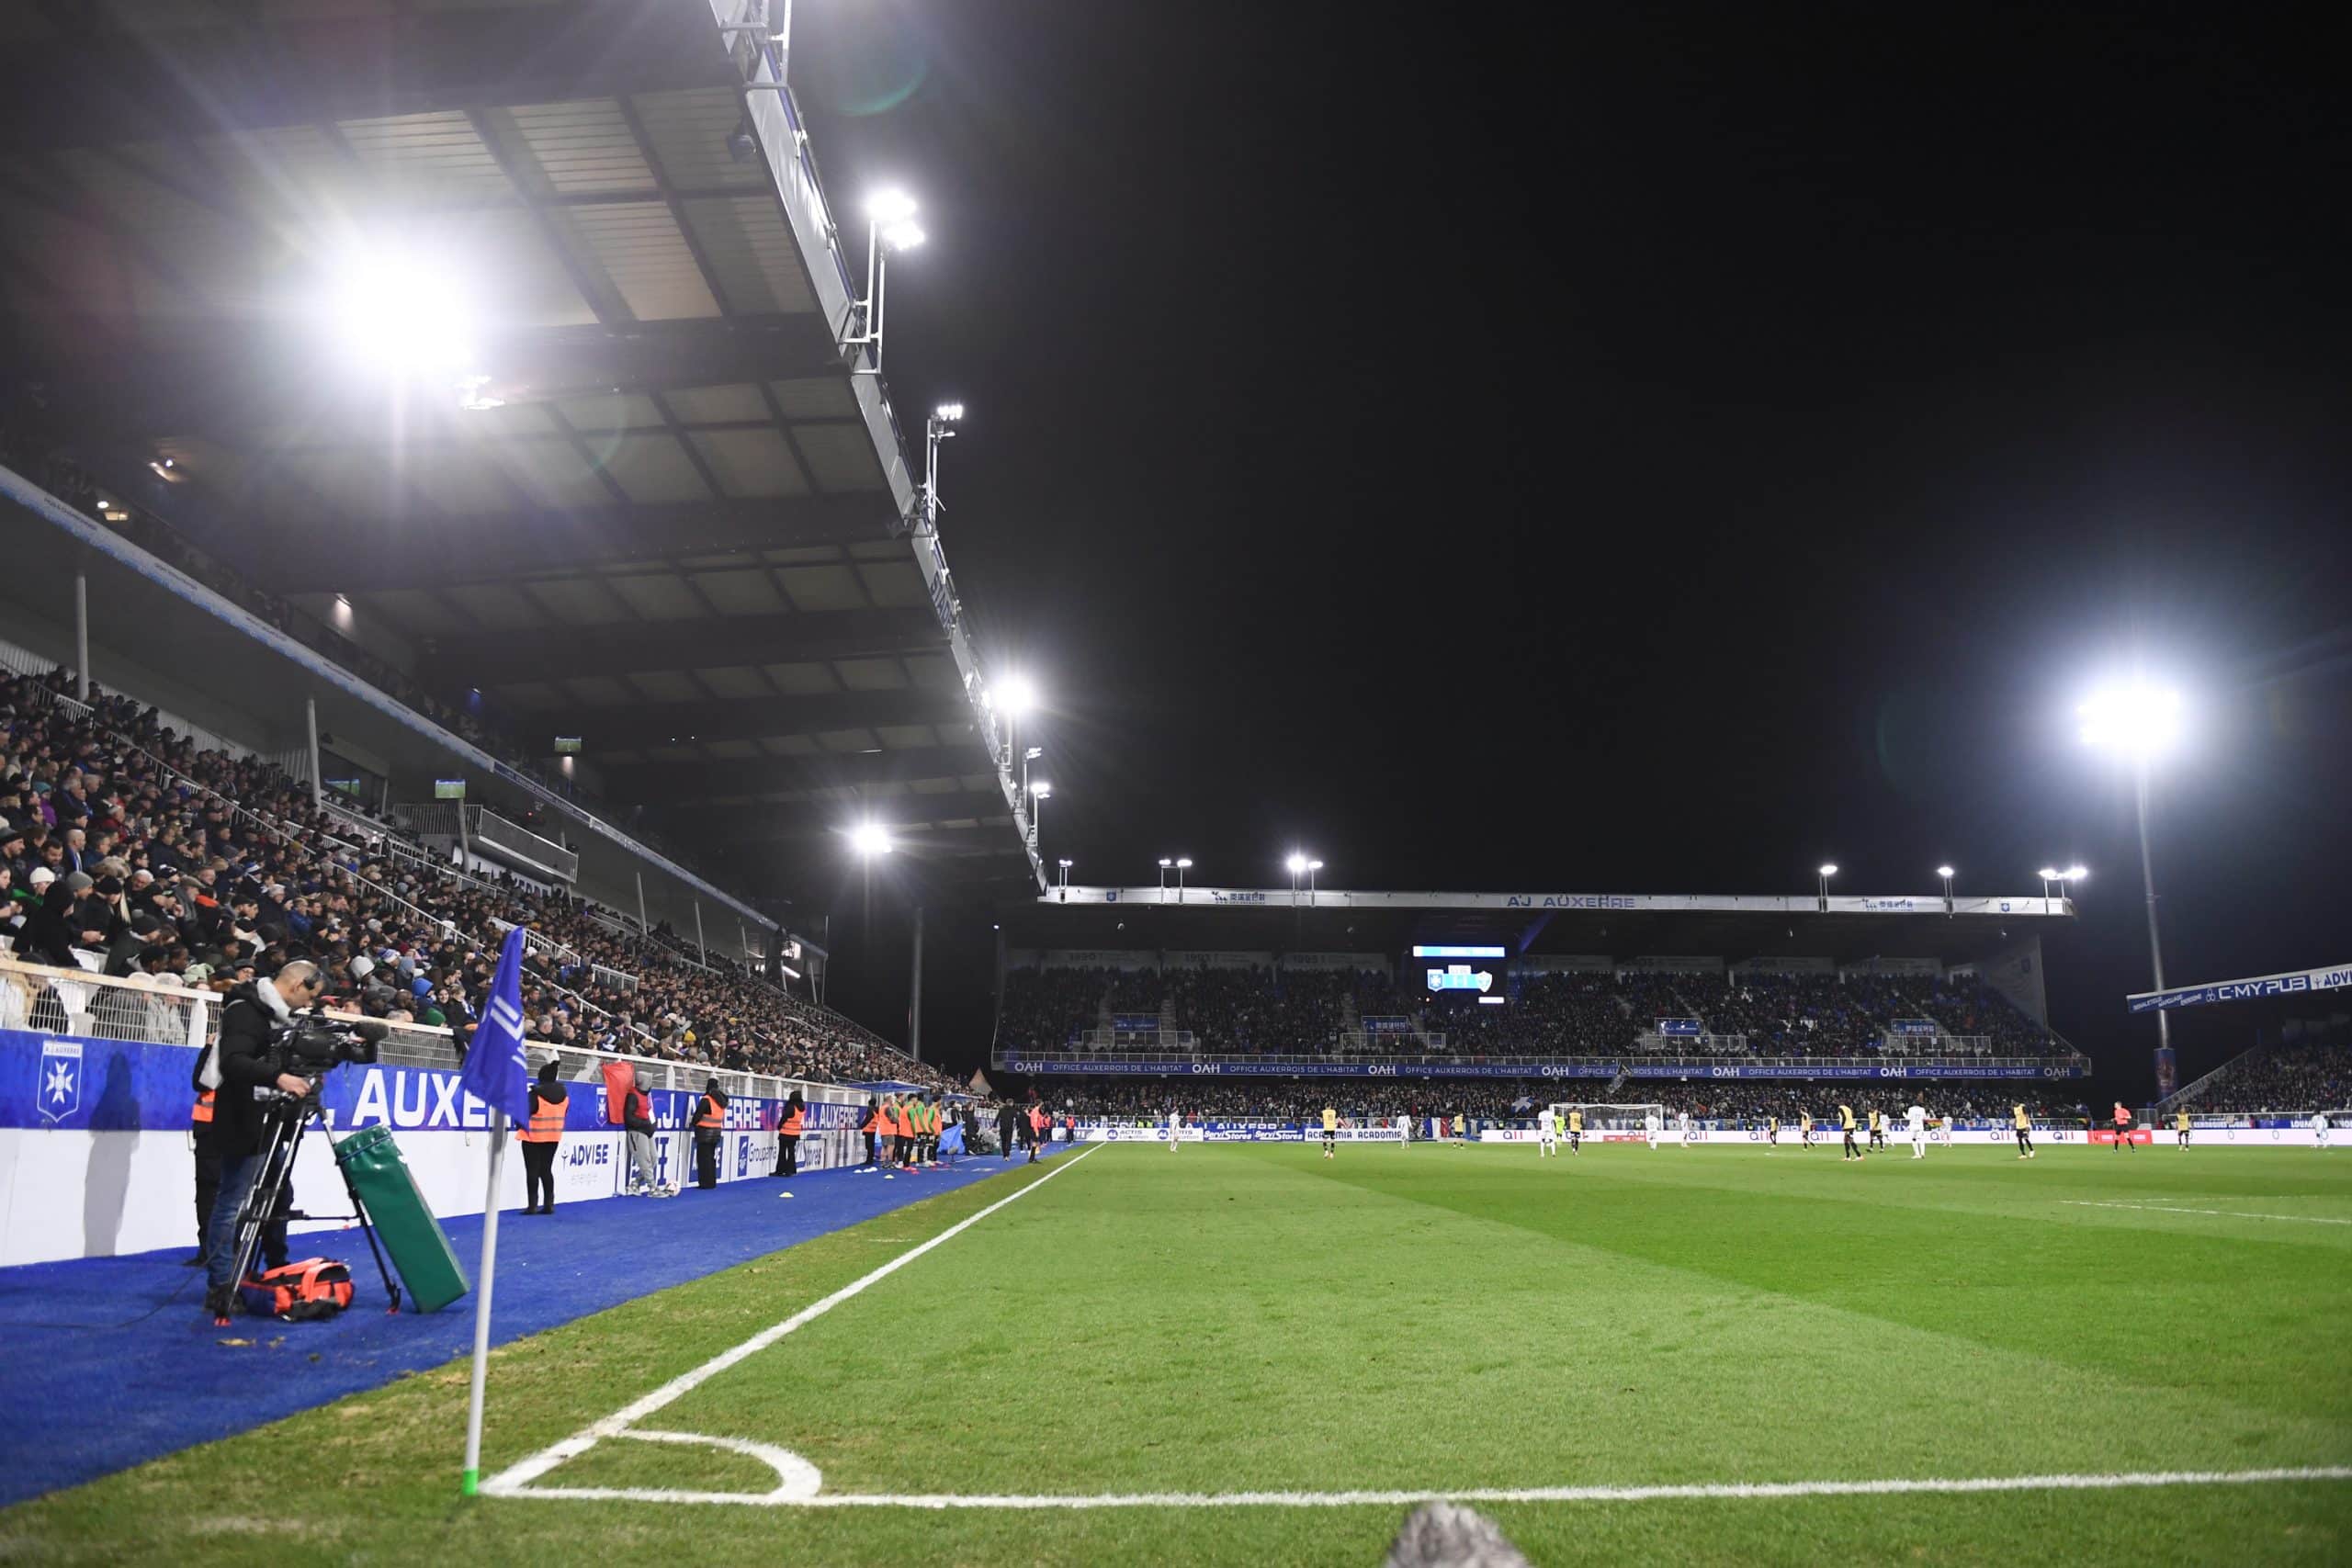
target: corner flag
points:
(498, 1073)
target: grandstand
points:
(308, 648)
(1528, 985)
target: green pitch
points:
(1254, 1318)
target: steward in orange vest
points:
(550, 1099)
(872, 1128)
(788, 1135)
(208, 1167)
(710, 1122)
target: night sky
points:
(1656, 454)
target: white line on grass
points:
(510, 1481)
(2221, 1214)
(1742, 1491)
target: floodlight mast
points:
(889, 226)
(2143, 722)
(939, 427)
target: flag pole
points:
(481, 1304)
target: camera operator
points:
(255, 1016)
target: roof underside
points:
(678, 538)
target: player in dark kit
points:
(1877, 1129)
(1846, 1125)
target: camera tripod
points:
(289, 1119)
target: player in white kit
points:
(1547, 1134)
(1174, 1122)
(1917, 1117)
(1652, 1124)
(2319, 1127)
(1683, 1122)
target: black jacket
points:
(1009, 1122)
(246, 1027)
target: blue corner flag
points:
(496, 1071)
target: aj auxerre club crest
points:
(60, 1093)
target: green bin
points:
(420, 1251)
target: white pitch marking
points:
(2221, 1214)
(1742, 1491)
(510, 1480)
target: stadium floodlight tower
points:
(1039, 793)
(939, 427)
(1945, 872)
(1300, 864)
(1829, 870)
(889, 226)
(1065, 864)
(2052, 876)
(2142, 722)
(1013, 697)
(1183, 864)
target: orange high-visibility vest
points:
(200, 1113)
(618, 1081)
(791, 1128)
(547, 1121)
(872, 1125)
(710, 1116)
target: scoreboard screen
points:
(1475, 969)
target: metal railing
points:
(70, 1001)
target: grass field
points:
(1254, 1318)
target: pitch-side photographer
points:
(255, 1016)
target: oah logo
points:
(61, 1079)
(1378, 1070)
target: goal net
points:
(1620, 1116)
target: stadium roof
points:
(1849, 928)
(683, 535)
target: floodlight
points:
(2074, 873)
(1315, 865)
(1068, 863)
(1944, 872)
(405, 313)
(1015, 696)
(1165, 863)
(902, 236)
(1829, 871)
(951, 412)
(2140, 720)
(1296, 863)
(870, 839)
(1041, 790)
(1183, 863)
(890, 206)
(2048, 873)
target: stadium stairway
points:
(111, 1363)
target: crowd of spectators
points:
(2285, 1077)
(1236, 1009)
(1517, 1099)
(175, 866)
